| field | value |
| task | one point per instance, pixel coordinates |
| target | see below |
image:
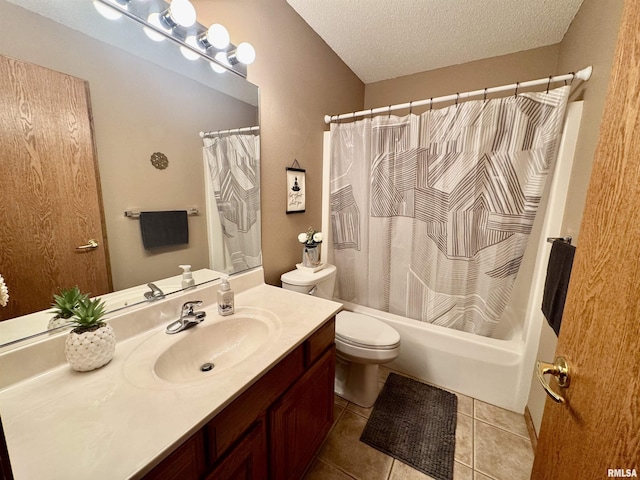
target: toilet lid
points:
(362, 330)
(302, 278)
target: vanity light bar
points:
(136, 214)
(139, 12)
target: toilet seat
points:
(366, 332)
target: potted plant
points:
(92, 343)
(310, 252)
(64, 306)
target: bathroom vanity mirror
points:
(147, 101)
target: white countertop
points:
(61, 424)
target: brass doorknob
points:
(91, 245)
(560, 370)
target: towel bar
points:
(135, 214)
(562, 239)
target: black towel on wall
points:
(557, 282)
(162, 229)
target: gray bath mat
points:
(415, 423)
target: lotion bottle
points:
(225, 297)
(187, 276)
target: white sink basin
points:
(211, 349)
(204, 351)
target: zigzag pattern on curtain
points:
(234, 165)
(431, 213)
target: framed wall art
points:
(296, 189)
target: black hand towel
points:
(161, 229)
(557, 282)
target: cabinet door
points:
(301, 419)
(5, 465)
(186, 463)
(247, 461)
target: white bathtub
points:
(495, 370)
(488, 369)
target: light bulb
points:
(154, 19)
(180, 12)
(222, 58)
(190, 54)
(106, 11)
(216, 36)
(245, 53)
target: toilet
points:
(362, 342)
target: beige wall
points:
(506, 69)
(138, 108)
(301, 79)
(589, 41)
(160, 111)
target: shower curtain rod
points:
(583, 75)
(226, 132)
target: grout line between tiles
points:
(393, 461)
(491, 477)
(503, 429)
(330, 463)
(487, 422)
(473, 438)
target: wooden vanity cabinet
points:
(5, 465)
(229, 425)
(300, 420)
(273, 429)
(187, 461)
(248, 460)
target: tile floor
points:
(491, 444)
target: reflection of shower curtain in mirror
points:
(234, 167)
(431, 213)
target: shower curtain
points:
(430, 214)
(234, 167)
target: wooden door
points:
(598, 428)
(50, 200)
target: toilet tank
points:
(318, 283)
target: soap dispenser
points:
(187, 276)
(225, 297)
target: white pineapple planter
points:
(56, 322)
(90, 349)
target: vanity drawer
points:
(317, 343)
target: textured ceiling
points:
(382, 39)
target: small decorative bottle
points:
(225, 297)
(187, 276)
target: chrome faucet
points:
(188, 318)
(154, 294)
